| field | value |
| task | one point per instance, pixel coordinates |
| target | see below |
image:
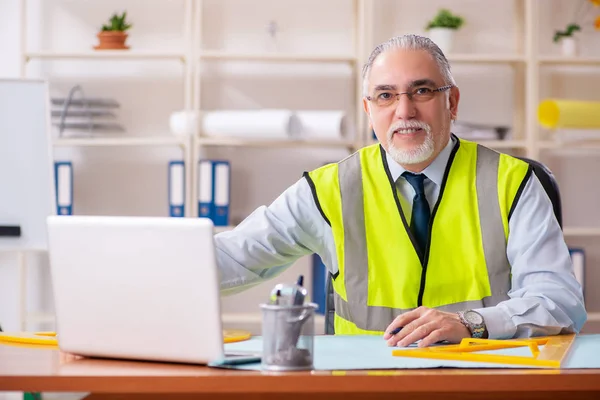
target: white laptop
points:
(141, 288)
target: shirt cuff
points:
(498, 323)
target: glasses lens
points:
(422, 94)
(384, 99)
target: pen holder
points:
(288, 336)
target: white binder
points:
(176, 189)
(64, 187)
(205, 189)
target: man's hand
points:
(427, 324)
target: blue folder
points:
(221, 197)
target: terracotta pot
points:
(111, 40)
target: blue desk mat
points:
(372, 352)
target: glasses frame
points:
(410, 94)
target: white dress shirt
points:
(545, 297)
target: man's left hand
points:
(428, 325)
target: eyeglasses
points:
(418, 94)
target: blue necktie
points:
(419, 222)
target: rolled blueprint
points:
(256, 124)
(561, 113)
(322, 124)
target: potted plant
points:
(568, 40)
(113, 36)
(442, 28)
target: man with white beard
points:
(427, 237)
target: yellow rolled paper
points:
(554, 113)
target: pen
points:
(300, 292)
(397, 330)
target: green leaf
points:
(117, 23)
(571, 29)
(445, 19)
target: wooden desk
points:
(43, 370)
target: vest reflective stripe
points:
(377, 318)
(492, 228)
(350, 173)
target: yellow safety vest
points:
(381, 272)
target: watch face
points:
(473, 318)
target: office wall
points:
(132, 181)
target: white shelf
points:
(119, 141)
(486, 58)
(105, 54)
(40, 318)
(231, 141)
(503, 144)
(574, 231)
(574, 145)
(558, 60)
(219, 229)
(253, 321)
(593, 316)
(17, 249)
(276, 57)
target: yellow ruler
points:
(555, 349)
(50, 339)
(234, 335)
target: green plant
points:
(571, 28)
(445, 19)
(117, 23)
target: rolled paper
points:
(255, 124)
(557, 113)
(319, 124)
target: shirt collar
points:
(434, 171)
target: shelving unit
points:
(581, 232)
(106, 55)
(122, 141)
(558, 60)
(184, 58)
(229, 141)
(524, 60)
(278, 57)
(486, 58)
(202, 142)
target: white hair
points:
(409, 42)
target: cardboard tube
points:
(554, 113)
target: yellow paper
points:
(49, 338)
(562, 113)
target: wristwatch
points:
(474, 322)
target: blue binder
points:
(222, 186)
(63, 184)
(319, 275)
(176, 189)
(206, 189)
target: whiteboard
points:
(27, 194)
